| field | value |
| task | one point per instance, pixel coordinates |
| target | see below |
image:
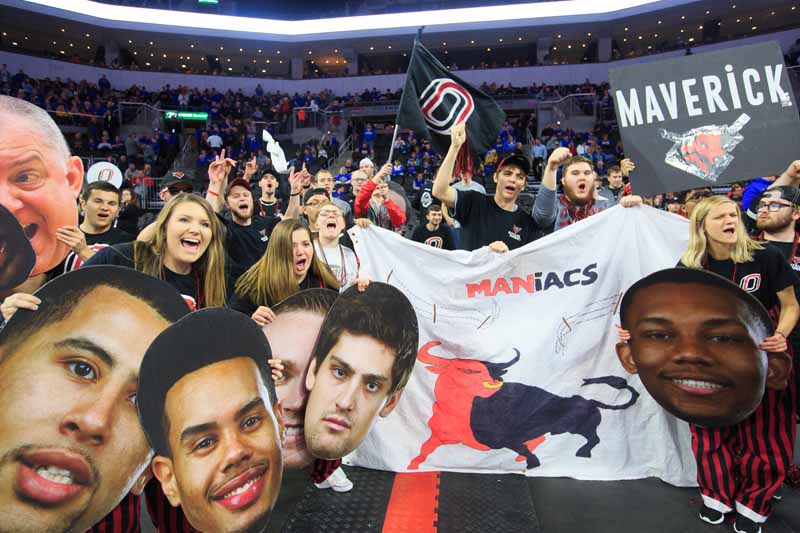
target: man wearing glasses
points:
(173, 184)
(692, 197)
(778, 213)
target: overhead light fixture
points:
(500, 39)
(230, 69)
(191, 46)
(754, 28)
(259, 50)
(147, 64)
(229, 60)
(472, 41)
(659, 22)
(589, 34)
(71, 45)
(263, 70)
(88, 35)
(281, 61)
(277, 51)
(626, 28)
(61, 52)
(254, 61)
(569, 46)
(691, 39)
(683, 17)
(372, 48)
(519, 38)
(130, 42)
(267, 61)
(221, 48)
(488, 49)
(151, 43)
(708, 12)
(309, 52)
(584, 45)
(558, 36)
(183, 66)
(390, 47)
(63, 30)
(15, 43)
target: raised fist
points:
(558, 157)
(458, 135)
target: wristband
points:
(295, 194)
(779, 333)
(212, 193)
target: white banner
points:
(527, 328)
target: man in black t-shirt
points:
(247, 234)
(496, 222)
(100, 204)
(433, 233)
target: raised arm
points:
(544, 208)
(217, 176)
(791, 176)
(441, 185)
(293, 208)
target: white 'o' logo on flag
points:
(444, 104)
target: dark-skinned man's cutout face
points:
(225, 469)
(17, 257)
(695, 348)
(71, 445)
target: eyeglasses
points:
(773, 207)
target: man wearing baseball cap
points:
(494, 221)
(247, 233)
(174, 183)
(778, 210)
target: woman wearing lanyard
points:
(288, 266)
(740, 467)
(328, 223)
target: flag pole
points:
(394, 138)
(394, 135)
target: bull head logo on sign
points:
(705, 152)
(444, 104)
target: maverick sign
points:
(706, 119)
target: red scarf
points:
(577, 213)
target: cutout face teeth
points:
(243, 488)
(55, 474)
(697, 384)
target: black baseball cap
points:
(314, 191)
(177, 179)
(518, 160)
(782, 192)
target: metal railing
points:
(140, 114)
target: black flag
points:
(434, 100)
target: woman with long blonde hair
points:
(184, 247)
(288, 266)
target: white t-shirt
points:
(334, 258)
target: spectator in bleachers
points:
(433, 232)
(613, 193)
(288, 266)
(130, 211)
(100, 203)
(183, 247)
(324, 180)
(692, 197)
(539, 156)
(373, 202)
(328, 225)
(552, 212)
(496, 222)
(174, 183)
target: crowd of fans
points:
(252, 222)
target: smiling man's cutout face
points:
(695, 348)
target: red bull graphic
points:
(705, 152)
(473, 406)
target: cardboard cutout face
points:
(292, 336)
(16, 253)
(71, 446)
(695, 348)
(208, 408)
(38, 185)
(362, 359)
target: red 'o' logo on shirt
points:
(436, 242)
(750, 282)
(444, 104)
